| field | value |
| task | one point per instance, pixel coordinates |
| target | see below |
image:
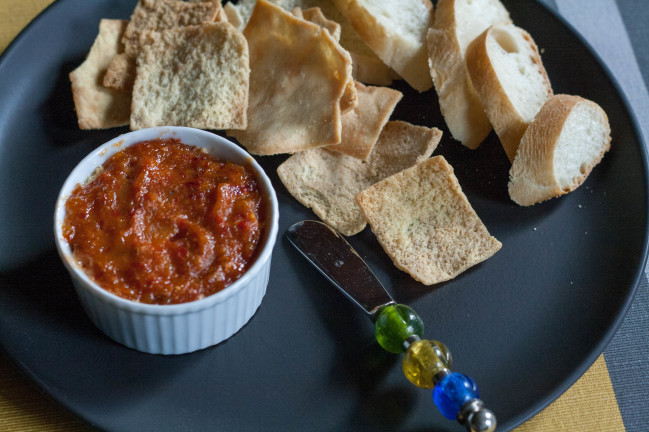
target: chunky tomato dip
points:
(164, 223)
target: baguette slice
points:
(508, 75)
(457, 23)
(396, 32)
(569, 136)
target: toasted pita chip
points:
(327, 181)
(195, 76)
(425, 223)
(98, 107)
(298, 77)
(120, 73)
(156, 15)
(349, 100)
(316, 16)
(160, 15)
(367, 66)
(363, 124)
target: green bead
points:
(423, 360)
(396, 323)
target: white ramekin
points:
(178, 328)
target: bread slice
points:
(508, 75)
(299, 75)
(328, 181)
(196, 76)
(396, 32)
(425, 223)
(98, 107)
(362, 125)
(568, 137)
(456, 24)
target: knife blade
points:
(334, 257)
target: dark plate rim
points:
(596, 351)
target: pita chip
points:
(298, 75)
(196, 76)
(328, 181)
(363, 124)
(425, 223)
(156, 15)
(98, 107)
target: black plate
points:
(525, 323)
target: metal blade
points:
(330, 253)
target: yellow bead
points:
(425, 359)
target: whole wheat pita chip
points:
(363, 124)
(327, 181)
(156, 15)
(425, 223)
(196, 76)
(98, 107)
(298, 77)
(120, 73)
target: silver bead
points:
(482, 420)
(411, 340)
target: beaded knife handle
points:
(398, 328)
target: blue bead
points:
(452, 392)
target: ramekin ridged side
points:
(179, 333)
(178, 328)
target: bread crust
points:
(502, 113)
(459, 102)
(532, 178)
